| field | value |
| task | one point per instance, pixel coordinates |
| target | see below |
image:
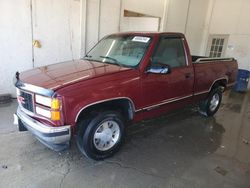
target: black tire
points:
(88, 129)
(206, 107)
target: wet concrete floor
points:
(182, 149)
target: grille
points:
(27, 102)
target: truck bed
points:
(209, 70)
(204, 59)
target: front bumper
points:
(56, 138)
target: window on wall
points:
(217, 45)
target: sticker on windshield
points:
(141, 39)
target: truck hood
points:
(60, 74)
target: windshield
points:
(121, 50)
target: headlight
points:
(46, 101)
(43, 112)
(49, 102)
(54, 105)
(18, 92)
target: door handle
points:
(188, 75)
(37, 44)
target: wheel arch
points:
(219, 82)
(124, 104)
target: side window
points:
(170, 51)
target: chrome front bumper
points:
(56, 138)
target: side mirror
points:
(159, 69)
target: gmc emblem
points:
(21, 99)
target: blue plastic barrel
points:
(242, 80)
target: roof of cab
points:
(146, 33)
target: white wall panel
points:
(75, 12)
(177, 15)
(225, 16)
(15, 41)
(240, 49)
(150, 7)
(243, 24)
(110, 17)
(103, 18)
(139, 24)
(92, 24)
(196, 25)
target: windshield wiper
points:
(89, 56)
(113, 59)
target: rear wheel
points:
(101, 136)
(211, 105)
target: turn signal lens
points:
(55, 104)
(55, 115)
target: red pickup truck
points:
(126, 77)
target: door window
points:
(170, 51)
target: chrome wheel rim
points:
(106, 135)
(214, 102)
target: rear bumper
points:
(56, 138)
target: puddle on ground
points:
(234, 107)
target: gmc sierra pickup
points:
(126, 77)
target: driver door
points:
(171, 89)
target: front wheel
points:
(211, 105)
(102, 135)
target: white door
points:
(15, 41)
(57, 30)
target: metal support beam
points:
(83, 22)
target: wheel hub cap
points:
(214, 102)
(106, 135)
